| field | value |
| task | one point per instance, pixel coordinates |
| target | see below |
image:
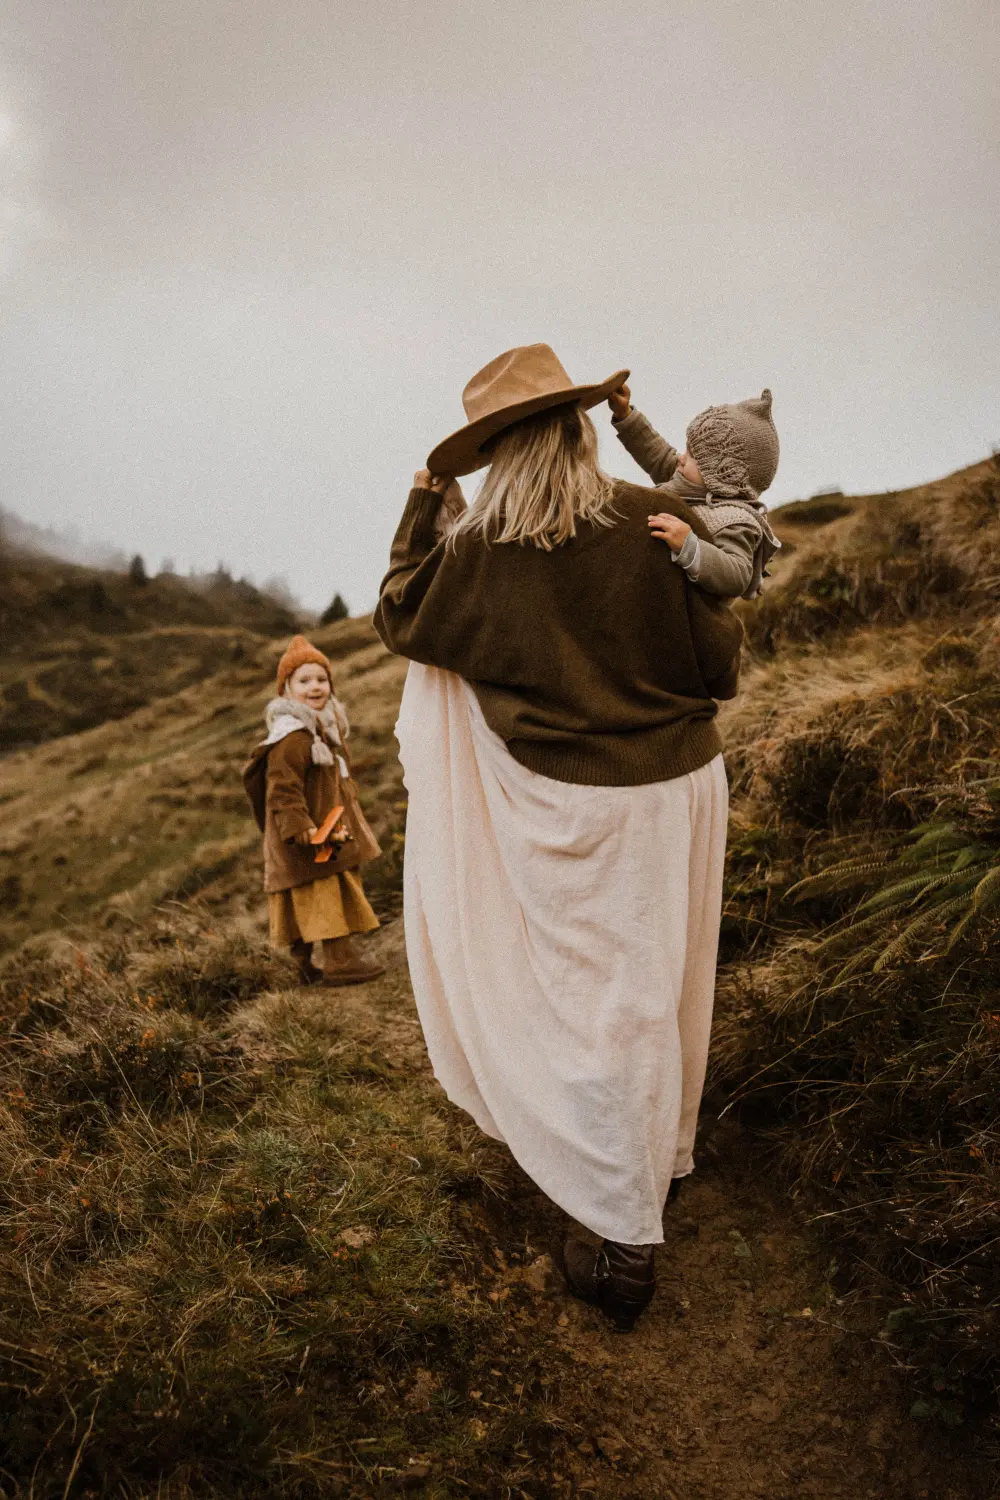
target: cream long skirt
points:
(562, 943)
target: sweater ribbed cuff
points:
(619, 422)
(416, 525)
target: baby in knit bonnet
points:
(731, 458)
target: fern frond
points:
(985, 897)
(850, 929)
(858, 961)
(882, 919)
(987, 893)
(900, 893)
(838, 877)
(960, 927)
(900, 944)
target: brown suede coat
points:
(298, 795)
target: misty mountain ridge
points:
(21, 536)
(65, 546)
(83, 645)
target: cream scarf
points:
(283, 716)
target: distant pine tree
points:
(335, 610)
(137, 570)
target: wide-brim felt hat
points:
(514, 385)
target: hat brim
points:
(461, 453)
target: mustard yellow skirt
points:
(330, 908)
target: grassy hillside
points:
(247, 1248)
(858, 1023)
(81, 646)
(100, 826)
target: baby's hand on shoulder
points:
(669, 529)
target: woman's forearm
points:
(412, 570)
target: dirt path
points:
(747, 1376)
(743, 1379)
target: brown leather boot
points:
(302, 954)
(619, 1279)
(343, 964)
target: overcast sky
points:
(253, 249)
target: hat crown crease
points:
(520, 374)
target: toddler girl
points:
(295, 779)
(731, 458)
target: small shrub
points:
(213, 973)
(128, 1065)
(821, 782)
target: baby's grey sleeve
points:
(723, 566)
(652, 453)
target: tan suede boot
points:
(343, 964)
(302, 955)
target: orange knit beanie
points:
(298, 652)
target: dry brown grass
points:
(102, 825)
(243, 1234)
(187, 1142)
(243, 1240)
(874, 690)
(927, 553)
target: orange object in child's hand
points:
(323, 833)
(327, 826)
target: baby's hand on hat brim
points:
(619, 403)
(669, 529)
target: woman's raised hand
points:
(619, 402)
(423, 479)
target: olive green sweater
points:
(597, 662)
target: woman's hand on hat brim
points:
(423, 479)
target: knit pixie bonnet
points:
(735, 447)
(298, 653)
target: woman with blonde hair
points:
(567, 809)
